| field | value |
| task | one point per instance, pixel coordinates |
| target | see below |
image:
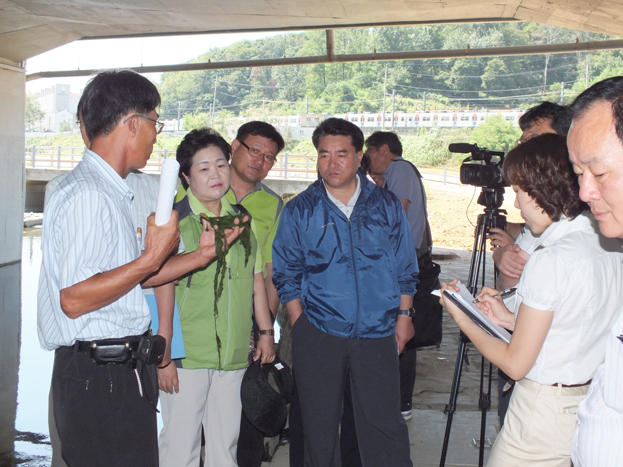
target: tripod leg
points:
(484, 403)
(454, 392)
(477, 266)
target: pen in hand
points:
(502, 294)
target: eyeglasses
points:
(159, 125)
(523, 139)
(254, 153)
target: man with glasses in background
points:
(253, 154)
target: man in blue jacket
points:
(346, 268)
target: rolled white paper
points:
(166, 190)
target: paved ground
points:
(435, 370)
(434, 378)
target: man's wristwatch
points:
(410, 312)
(267, 332)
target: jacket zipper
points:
(352, 253)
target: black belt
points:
(115, 350)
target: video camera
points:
(474, 171)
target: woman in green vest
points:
(216, 304)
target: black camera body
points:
(483, 168)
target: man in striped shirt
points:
(595, 144)
(91, 277)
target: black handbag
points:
(428, 311)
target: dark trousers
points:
(349, 446)
(322, 363)
(295, 431)
(348, 434)
(250, 444)
(101, 417)
(407, 362)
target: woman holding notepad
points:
(567, 299)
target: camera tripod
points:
(491, 199)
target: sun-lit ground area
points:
(453, 211)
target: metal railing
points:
(287, 167)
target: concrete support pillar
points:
(12, 184)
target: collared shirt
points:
(599, 434)
(226, 209)
(88, 229)
(526, 241)
(145, 188)
(265, 207)
(347, 209)
(576, 275)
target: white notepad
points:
(464, 300)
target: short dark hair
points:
(559, 117)
(366, 164)
(541, 168)
(379, 138)
(264, 129)
(110, 95)
(194, 141)
(339, 127)
(610, 90)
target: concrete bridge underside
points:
(29, 28)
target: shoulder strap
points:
(183, 208)
(427, 241)
(240, 208)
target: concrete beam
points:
(591, 46)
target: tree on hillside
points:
(496, 134)
(493, 82)
(34, 112)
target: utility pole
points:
(586, 77)
(562, 93)
(393, 105)
(306, 105)
(424, 101)
(179, 108)
(214, 98)
(545, 73)
(384, 91)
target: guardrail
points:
(287, 167)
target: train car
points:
(400, 120)
(356, 118)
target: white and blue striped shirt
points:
(88, 229)
(599, 436)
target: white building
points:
(58, 105)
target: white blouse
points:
(576, 273)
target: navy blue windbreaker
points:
(349, 275)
